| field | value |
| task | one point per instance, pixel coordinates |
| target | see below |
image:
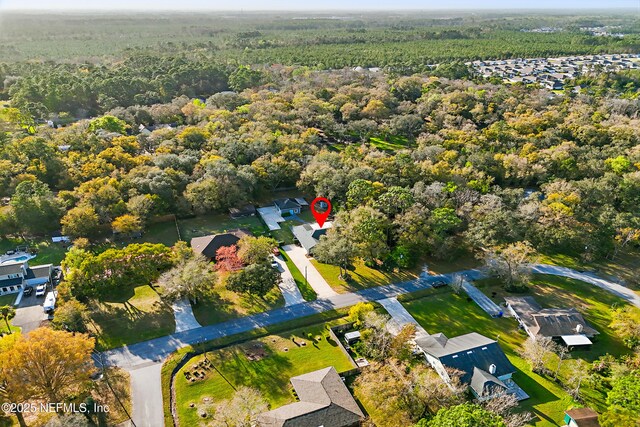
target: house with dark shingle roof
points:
(581, 417)
(209, 245)
(564, 325)
(287, 206)
(324, 400)
(479, 360)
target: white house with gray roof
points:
(479, 360)
(15, 275)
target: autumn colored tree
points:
(49, 364)
(227, 259)
(127, 224)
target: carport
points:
(271, 217)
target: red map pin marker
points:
(320, 217)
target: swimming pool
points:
(18, 258)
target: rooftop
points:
(549, 322)
(209, 245)
(324, 401)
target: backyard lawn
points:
(225, 304)
(265, 364)
(362, 276)
(47, 251)
(133, 315)
(219, 223)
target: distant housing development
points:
(552, 73)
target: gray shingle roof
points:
(286, 204)
(467, 352)
(483, 383)
(308, 236)
(39, 271)
(324, 401)
(549, 322)
(11, 267)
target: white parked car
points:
(41, 290)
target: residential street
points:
(143, 360)
(146, 395)
(317, 282)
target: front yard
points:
(130, 316)
(361, 276)
(265, 364)
(225, 304)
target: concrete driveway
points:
(29, 313)
(315, 279)
(287, 285)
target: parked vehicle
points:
(439, 283)
(41, 290)
(50, 302)
(28, 291)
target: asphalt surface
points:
(144, 360)
(155, 350)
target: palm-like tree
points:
(7, 313)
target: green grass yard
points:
(130, 316)
(453, 315)
(226, 304)
(361, 276)
(266, 364)
(391, 143)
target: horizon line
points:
(382, 9)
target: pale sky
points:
(157, 5)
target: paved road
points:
(315, 279)
(146, 395)
(183, 313)
(592, 278)
(140, 354)
(288, 287)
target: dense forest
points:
(82, 65)
(423, 163)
